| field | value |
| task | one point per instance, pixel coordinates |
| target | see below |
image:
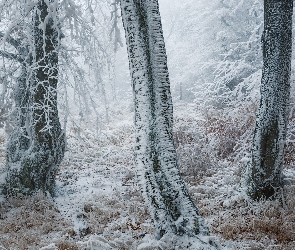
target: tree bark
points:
(163, 189)
(36, 146)
(265, 173)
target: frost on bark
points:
(36, 146)
(163, 189)
(265, 173)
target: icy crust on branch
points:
(164, 191)
(36, 146)
(264, 175)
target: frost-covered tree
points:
(265, 172)
(34, 58)
(163, 189)
(37, 143)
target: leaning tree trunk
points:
(36, 146)
(163, 189)
(265, 173)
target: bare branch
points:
(10, 40)
(11, 56)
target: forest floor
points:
(98, 204)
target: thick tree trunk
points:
(163, 189)
(36, 146)
(269, 137)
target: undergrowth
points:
(269, 222)
(121, 221)
(211, 160)
(211, 146)
(30, 222)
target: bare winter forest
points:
(147, 124)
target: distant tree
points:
(37, 143)
(163, 189)
(212, 46)
(265, 172)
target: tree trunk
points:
(36, 146)
(163, 189)
(265, 173)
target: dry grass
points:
(193, 150)
(205, 147)
(269, 222)
(30, 222)
(232, 132)
(125, 214)
(66, 245)
(256, 225)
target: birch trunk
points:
(36, 146)
(163, 189)
(265, 175)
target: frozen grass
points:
(98, 205)
(216, 186)
(244, 223)
(267, 222)
(121, 215)
(30, 222)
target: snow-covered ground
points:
(99, 206)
